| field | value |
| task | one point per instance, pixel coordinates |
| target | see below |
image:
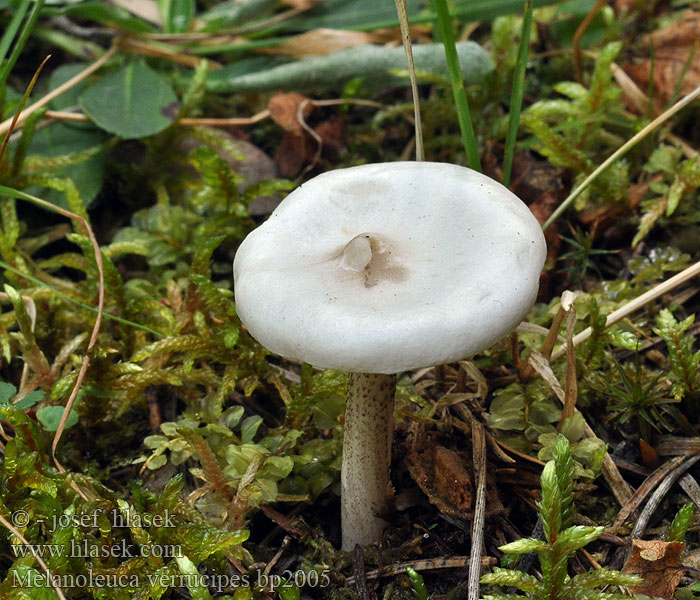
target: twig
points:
(22, 117)
(165, 52)
(621, 151)
(479, 455)
(98, 319)
(571, 390)
(42, 564)
(360, 579)
(637, 303)
(690, 486)
(62, 115)
(659, 494)
(580, 30)
(424, 564)
(645, 489)
(406, 38)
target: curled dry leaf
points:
(299, 4)
(284, 110)
(445, 477)
(441, 474)
(674, 46)
(323, 41)
(300, 146)
(658, 563)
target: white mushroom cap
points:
(387, 267)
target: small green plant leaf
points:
(420, 592)
(192, 578)
(523, 581)
(50, 417)
(7, 390)
(681, 522)
(288, 590)
(249, 428)
(109, 15)
(177, 14)
(133, 102)
(524, 546)
(576, 537)
(30, 399)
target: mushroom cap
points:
(387, 267)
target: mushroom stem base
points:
(366, 457)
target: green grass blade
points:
(458, 91)
(12, 27)
(27, 29)
(516, 96)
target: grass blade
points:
(27, 29)
(458, 91)
(406, 38)
(516, 96)
(12, 27)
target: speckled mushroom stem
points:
(366, 456)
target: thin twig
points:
(580, 30)
(62, 115)
(637, 303)
(424, 564)
(659, 495)
(690, 486)
(621, 151)
(479, 455)
(13, 122)
(42, 564)
(15, 117)
(645, 489)
(165, 52)
(100, 308)
(406, 38)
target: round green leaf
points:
(50, 417)
(133, 102)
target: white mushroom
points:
(379, 269)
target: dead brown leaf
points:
(295, 150)
(658, 563)
(441, 474)
(674, 46)
(321, 41)
(303, 145)
(284, 110)
(300, 4)
(332, 134)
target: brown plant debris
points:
(675, 49)
(658, 563)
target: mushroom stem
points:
(366, 457)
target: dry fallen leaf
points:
(674, 46)
(298, 146)
(284, 110)
(441, 474)
(321, 41)
(299, 4)
(658, 563)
